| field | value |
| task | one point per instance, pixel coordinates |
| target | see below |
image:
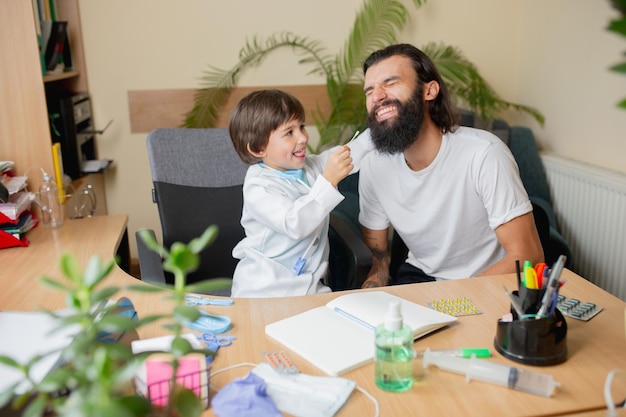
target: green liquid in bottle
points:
(393, 368)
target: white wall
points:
(552, 55)
(563, 70)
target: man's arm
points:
(376, 240)
(520, 240)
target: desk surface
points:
(595, 347)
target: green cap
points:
(478, 352)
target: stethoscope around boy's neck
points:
(295, 175)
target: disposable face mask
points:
(305, 395)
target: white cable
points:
(228, 368)
(608, 398)
(373, 399)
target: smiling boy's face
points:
(286, 148)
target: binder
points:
(56, 44)
(57, 160)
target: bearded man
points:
(453, 194)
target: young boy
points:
(288, 197)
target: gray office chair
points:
(198, 179)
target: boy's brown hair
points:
(256, 116)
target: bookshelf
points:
(24, 129)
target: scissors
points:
(194, 300)
(214, 342)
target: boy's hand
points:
(338, 166)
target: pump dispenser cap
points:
(393, 319)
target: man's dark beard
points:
(394, 136)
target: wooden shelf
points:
(60, 76)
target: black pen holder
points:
(529, 340)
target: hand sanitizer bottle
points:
(51, 207)
(393, 367)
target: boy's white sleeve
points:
(360, 147)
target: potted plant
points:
(96, 377)
(375, 27)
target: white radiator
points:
(590, 207)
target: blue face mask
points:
(290, 174)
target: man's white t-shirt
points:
(446, 213)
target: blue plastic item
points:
(209, 323)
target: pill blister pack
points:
(280, 362)
(460, 306)
(576, 309)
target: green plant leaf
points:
(186, 403)
(7, 395)
(198, 244)
(7, 361)
(103, 294)
(181, 259)
(209, 286)
(618, 26)
(36, 408)
(96, 271)
(143, 321)
(183, 313)
(181, 347)
(54, 284)
(55, 381)
(148, 238)
(621, 67)
(138, 406)
(113, 323)
(70, 268)
(149, 288)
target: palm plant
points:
(375, 27)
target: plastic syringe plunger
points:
(495, 373)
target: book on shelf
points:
(25, 223)
(55, 48)
(17, 204)
(6, 166)
(38, 15)
(14, 183)
(339, 336)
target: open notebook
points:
(339, 336)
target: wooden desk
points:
(595, 347)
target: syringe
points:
(503, 375)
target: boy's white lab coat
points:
(281, 218)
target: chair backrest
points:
(198, 179)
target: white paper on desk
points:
(26, 334)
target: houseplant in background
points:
(96, 377)
(375, 27)
(619, 26)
